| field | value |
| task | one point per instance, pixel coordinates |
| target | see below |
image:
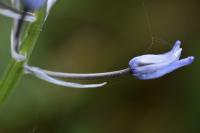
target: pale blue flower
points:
(151, 66)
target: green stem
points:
(15, 70)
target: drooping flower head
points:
(151, 66)
(144, 67)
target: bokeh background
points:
(103, 35)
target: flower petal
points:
(154, 67)
(172, 67)
(176, 46)
(153, 59)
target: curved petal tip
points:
(178, 42)
(190, 59)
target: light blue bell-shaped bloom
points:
(151, 66)
(34, 4)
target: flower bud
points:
(151, 66)
(33, 5)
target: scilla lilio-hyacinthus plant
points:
(35, 13)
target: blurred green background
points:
(103, 35)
